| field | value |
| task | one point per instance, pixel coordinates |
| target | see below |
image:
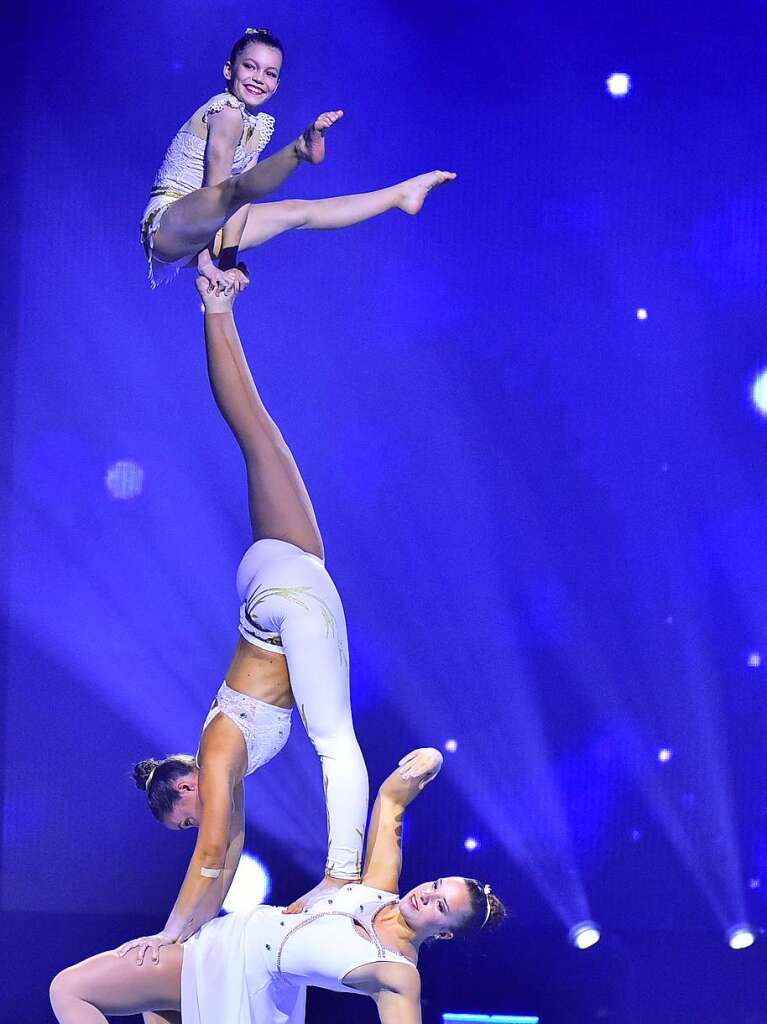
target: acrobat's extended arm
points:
(383, 859)
(216, 895)
(217, 850)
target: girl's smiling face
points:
(255, 75)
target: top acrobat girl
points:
(199, 207)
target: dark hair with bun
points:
(486, 911)
(255, 35)
(161, 775)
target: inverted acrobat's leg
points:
(280, 507)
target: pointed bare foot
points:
(415, 190)
(310, 146)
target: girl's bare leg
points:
(109, 984)
(279, 503)
(266, 220)
(188, 224)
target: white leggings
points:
(290, 604)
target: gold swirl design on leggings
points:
(299, 596)
(295, 595)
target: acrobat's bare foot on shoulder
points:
(326, 887)
(415, 190)
(310, 146)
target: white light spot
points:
(755, 883)
(754, 659)
(759, 392)
(124, 480)
(618, 84)
(636, 835)
(470, 843)
(584, 935)
(641, 314)
(740, 936)
(664, 467)
(669, 620)
(250, 886)
(664, 755)
(451, 746)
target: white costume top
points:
(183, 167)
(253, 968)
(264, 727)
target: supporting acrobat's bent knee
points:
(63, 990)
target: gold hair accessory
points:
(487, 890)
(150, 776)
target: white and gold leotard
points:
(183, 169)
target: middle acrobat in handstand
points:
(292, 649)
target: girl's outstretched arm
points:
(383, 858)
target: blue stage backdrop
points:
(526, 418)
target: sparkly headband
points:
(487, 891)
(255, 31)
(150, 776)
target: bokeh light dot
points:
(618, 83)
(250, 885)
(124, 479)
(759, 392)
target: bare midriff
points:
(260, 674)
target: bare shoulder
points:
(222, 748)
(384, 976)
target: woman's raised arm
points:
(383, 858)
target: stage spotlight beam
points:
(740, 936)
(584, 934)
